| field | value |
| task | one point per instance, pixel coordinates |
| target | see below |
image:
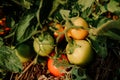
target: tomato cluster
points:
(78, 50)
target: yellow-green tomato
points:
(24, 52)
(79, 21)
(79, 53)
(43, 44)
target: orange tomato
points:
(59, 29)
(77, 33)
(2, 33)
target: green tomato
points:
(43, 44)
(79, 53)
(22, 59)
(24, 52)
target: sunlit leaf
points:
(85, 3)
(113, 6)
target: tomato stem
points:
(105, 30)
(38, 14)
(113, 24)
(25, 69)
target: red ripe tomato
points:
(55, 66)
(7, 29)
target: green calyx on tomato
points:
(43, 44)
(79, 53)
(24, 52)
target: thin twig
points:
(11, 76)
(26, 69)
(38, 14)
(10, 35)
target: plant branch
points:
(113, 24)
(38, 13)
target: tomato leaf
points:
(99, 45)
(107, 29)
(64, 13)
(79, 73)
(23, 27)
(85, 3)
(113, 8)
(24, 3)
(102, 21)
(103, 9)
(8, 60)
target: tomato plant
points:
(78, 29)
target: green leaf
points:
(23, 27)
(103, 9)
(110, 29)
(99, 45)
(1, 42)
(8, 60)
(85, 3)
(27, 4)
(102, 21)
(24, 3)
(56, 4)
(64, 13)
(79, 73)
(113, 6)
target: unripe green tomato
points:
(22, 59)
(24, 52)
(43, 44)
(80, 53)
